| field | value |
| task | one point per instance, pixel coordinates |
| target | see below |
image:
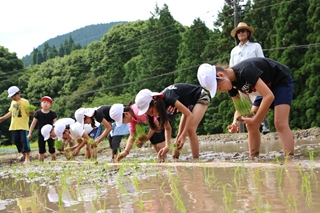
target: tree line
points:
(157, 52)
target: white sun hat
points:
(81, 112)
(116, 113)
(143, 99)
(45, 131)
(207, 78)
(12, 91)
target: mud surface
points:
(214, 140)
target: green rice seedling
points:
(209, 177)
(58, 145)
(31, 109)
(243, 106)
(141, 205)
(306, 187)
(175, 194)
(136, 182)
(291, 201)
(311, 154)
(140, 137)
(280, 176)
(227, 195)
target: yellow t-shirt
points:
(20, 116)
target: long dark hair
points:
(127, 108)
(163, 116)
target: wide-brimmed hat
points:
(240, 26)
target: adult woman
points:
(273, 83)
(190, 100)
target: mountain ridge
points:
(83, 36)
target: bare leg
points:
(198, 113)
(27, 157)
(41, 157)
(281, 122)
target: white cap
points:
(116, 113)
(59, 129)
(81, 112)
(12, 91)
(45, 131)
(207, 78)
(143, 99)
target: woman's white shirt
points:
(245, 51)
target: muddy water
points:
(223, 180)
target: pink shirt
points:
(139, 119)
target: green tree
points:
(194, 41)
(159, 50)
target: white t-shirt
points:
(88, 128)
(76, 131)
(245, 51)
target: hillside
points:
(82, 36)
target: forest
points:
(157, 52)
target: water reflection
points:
(197, 187)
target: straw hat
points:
(240, 26)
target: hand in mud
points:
(162, 152)
(121, 156)
(233, 128)
(75, 152)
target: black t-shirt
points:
(44, 118)
(248, 71)
(187, 94)
(103, 113)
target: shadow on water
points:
(223, 180)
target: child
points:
(190, 100)
(42, 117)
(100, 114)
(68, 132)
(129, 114)
(115, 137)
(265, 77)
(48, 131)
(19, 122)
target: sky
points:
(26, 24)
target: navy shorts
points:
(282, 95)
(96, 132)
(20, 140)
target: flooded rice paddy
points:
(222, 180)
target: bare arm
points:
(188, 116)
(267, 100)
(33, 124)
(5, 117)
(106, 131)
